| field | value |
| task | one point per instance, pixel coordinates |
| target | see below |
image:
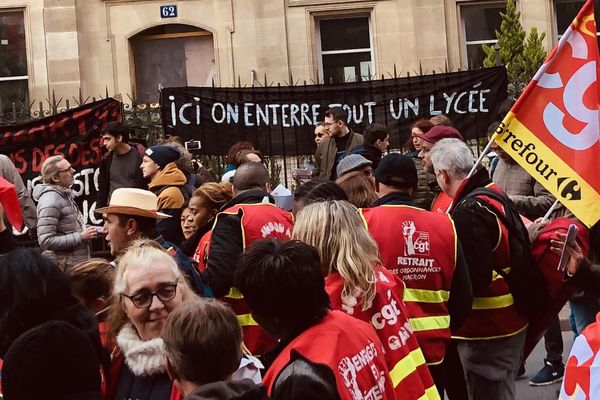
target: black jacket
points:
(104, 176)
(226, 244)
(478, 231)
(229, 390)
(369, 152)
(461, 293)
(7, 241)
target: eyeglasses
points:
(319, 135)
(70, 169)
(144, 297)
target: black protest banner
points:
(74, 134)
(280, 120)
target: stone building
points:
(132, 47)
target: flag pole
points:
(483, 154)
(551, 210)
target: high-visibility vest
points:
(388, 315)
(441, 203)
(258, 221)
(420, 248)
(581, 380)
(349, 348)
(201, 254)
(493, 314)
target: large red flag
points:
(553, 130)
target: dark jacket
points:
(461, 293)
(424, 195)
(229, 390)
(104, 175)
(7, 241)
(369, 152)
(326, 153)
(226, 244)
(478, 231)
(185, 266)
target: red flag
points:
(10, 203)
(553, 130)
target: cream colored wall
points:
(85, 43)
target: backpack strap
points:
(507, 220)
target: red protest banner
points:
(553, 130)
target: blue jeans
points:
(583, 313)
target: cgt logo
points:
(569, 190)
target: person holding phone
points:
(580, 270)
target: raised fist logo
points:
(348, 373)
(408, 230)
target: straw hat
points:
(130, 201)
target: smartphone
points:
(564, 255)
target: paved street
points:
(534, 363)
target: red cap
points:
(440, 132)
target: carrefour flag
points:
(553, 130)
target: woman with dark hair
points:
(33, 291)
(301, 192)
(325, 191)
(233, 151)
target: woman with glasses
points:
(62, 233)
(148, 286)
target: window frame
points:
(28, 77)
(463, 29)
(321, 53)
(558, 35)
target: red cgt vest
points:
(419, 247)
(259, 221)
(441, 203)
(409, 373)
(349, 348)
(493, 314)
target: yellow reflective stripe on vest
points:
(426, 296)
(488, 303)
(406, 366)
(246, 320)
(430, 323)
(234, 294)
(431, 394)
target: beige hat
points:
(130, 201)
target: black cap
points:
(397, 170)
(54, 360)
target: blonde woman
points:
(148, 286)
(358, 285)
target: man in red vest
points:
(491, 340)
(322, 354)
(249, 216)
(429, 261)
(442, 202)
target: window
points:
(479, 24)
(159, 54)
(13, 60)
(345, 49)
(566, 11)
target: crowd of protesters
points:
(389, 278)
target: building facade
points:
(134, 47)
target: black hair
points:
(302, 190)
(375, 132)
(338, 114)
(32, 291)
(283, 281)
(250, 175)
(117, 129)
(325, 191)
(146, 225)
